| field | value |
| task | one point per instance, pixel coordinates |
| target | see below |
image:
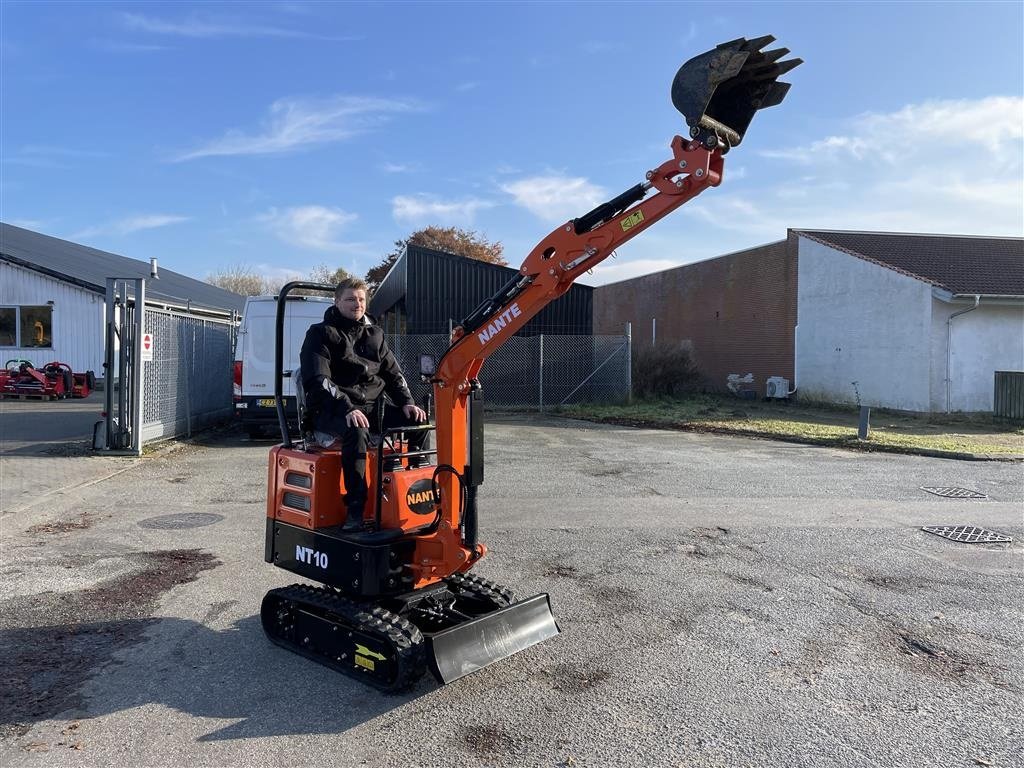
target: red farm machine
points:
(53, 381)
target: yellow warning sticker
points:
(362, 649)
(362, 661)
(632, 220)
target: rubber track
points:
(500, 596)
(405, 639)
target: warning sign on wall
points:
(147, 347)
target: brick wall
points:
(737, 311)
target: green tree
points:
(461, 242)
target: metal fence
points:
(540, 372)
(187, 384)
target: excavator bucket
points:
(719, 91)
(467, 647)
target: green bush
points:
(665, 369)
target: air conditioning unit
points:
(777, 388)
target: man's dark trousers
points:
(355, 441)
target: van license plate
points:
(266, 402)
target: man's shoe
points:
(353, 525)
(354, 520)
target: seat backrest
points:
(300, 399)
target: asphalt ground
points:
(723, 602)
(33, 434)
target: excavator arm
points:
(717, 92)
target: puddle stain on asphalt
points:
(488, 740)
(569, 678)
(63, 526)
(52, 642)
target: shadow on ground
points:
(71, 671)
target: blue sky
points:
(283, 135)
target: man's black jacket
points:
(356, 358)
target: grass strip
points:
(819, 426)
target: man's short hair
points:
(350, 284)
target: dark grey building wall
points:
(426, 289)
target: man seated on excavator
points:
(346, 365)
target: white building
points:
(52, 297)
(907, 321)
(903, 321)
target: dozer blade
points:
(465, 648)
(719, 91)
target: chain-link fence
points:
(188, 382)
(534, 371)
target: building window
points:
(8, 326)
(26, 327)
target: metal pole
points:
(123, 417)
(629, 362)
(189, 357)
(654, 330)
(865, 420)
(137, 367)
(108, 363)
(541, 370)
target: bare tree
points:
(248, 281)
(241, 278)
(322, 273)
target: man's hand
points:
(415, 413)
(357, 418)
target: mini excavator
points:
(399, 596)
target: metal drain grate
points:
(954, 493)
(181, 520)
(967, 534)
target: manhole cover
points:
(954, 493)
(968, 534)
(181, 520)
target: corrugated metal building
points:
(427, 290)
(52, 296)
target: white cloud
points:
(939, 166)
(120, 46)
(423, 207)
(399, 167)
(994, 124)
(130, 224)
(315, 227)
(467, 86)
(33, 224)
(297, 123)
(611, 271)
(43, 156)
(555, 198)
(938, 173)
(197, 27)
(149, 221)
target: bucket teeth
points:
(719, 91)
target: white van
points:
(254, 357)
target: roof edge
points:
(53, 273)
(876, 262)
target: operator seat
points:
(306, 425)
(305, 428)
